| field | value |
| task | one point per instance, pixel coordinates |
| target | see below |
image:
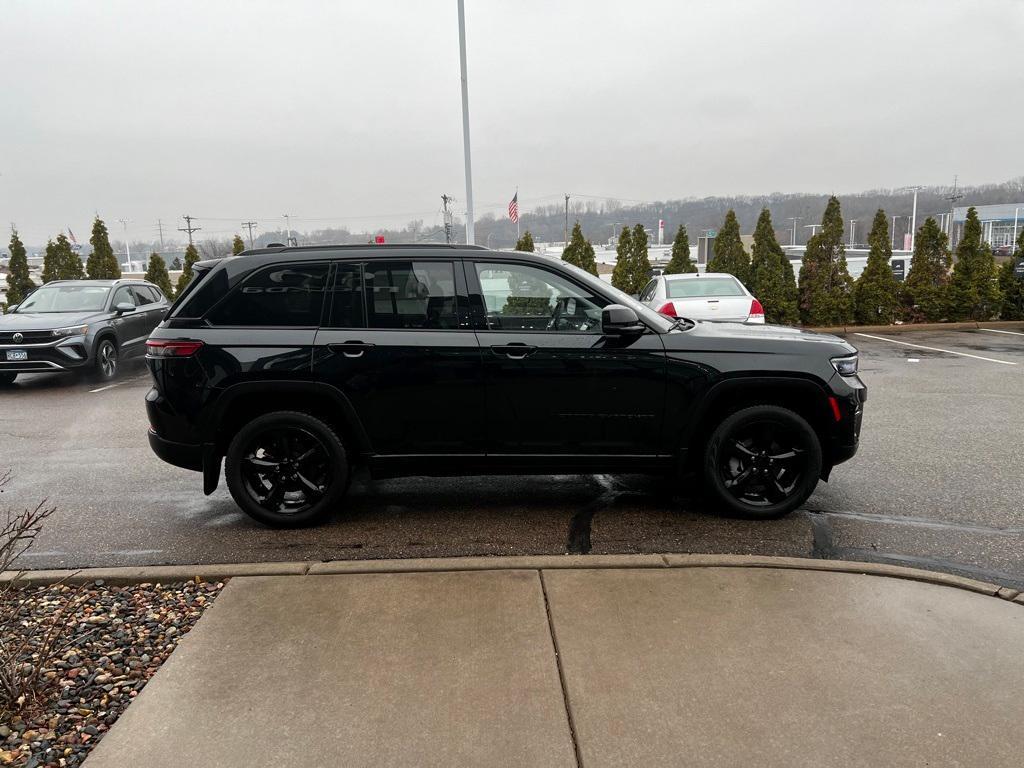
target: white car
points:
(709, 296)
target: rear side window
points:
(347, 297)
(695, 287)
(284, 295)
(410, 294)
(142, 295)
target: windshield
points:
(66, 298)
(653, 319)
(696, 287)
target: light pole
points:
(853, 228)
(813, 227)
(894, 232)
(794, 219)
(470, 235)
(127, 248)
(1013, 239)
(288, 227)
(913, 215)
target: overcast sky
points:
(349, 112)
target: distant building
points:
(1000, 224)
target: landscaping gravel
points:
(120, 637)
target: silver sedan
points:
(709, 296)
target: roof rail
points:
(367, 246)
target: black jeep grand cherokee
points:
(294, 364)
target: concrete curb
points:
(220, 571)
(905, 327)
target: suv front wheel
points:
(287, 469)
(105, 360)
(762, 462)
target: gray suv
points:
(79, 325)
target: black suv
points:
(294, 364)
(79, 325)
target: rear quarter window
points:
(283, 295)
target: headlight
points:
(71, 330)
(846, 366)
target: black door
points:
(399, 345)
(556, 384)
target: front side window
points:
(518, 297)
(648, 292)
(66, 298)
(123, 295)
(284, 295)
(410, 294)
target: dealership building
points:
(1000, 224)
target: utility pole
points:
(249, 225)
(470, 235)
(794, 219)
(160, 226)
(127, 248)
(189, 228)
(567, 220)
(447, 200)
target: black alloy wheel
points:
(763, 462)
(105, 364)
(287, 469)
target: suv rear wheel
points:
(287, 469)
(762, 462)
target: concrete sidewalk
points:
(704, 666)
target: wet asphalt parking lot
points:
(938, 483)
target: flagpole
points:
(518, 215)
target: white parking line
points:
(996, 330)
(109, 386)
(936, 349)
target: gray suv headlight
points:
(846, 366)
(71, 330)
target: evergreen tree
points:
(19, 284)
(1011, 285)
(680, 263)
(621, 278)
(580, 252)
(156, 273)
(102, 263)
(925, 292)
(237, 245)
(729, 254)
(973, 290)
(825, 284)
(639, 262)
(60, 262)
(771, 275)
(525, 243)
(875, 294)
(191, 257)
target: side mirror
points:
(123, 307)
(617, 320)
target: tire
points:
(762, 462)
(287, 469)
(106, 360)
(7, 378)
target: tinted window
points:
(153, 293)
(123, 295)
(281, 295)
(410, 294)
(519, 297)
(142, 296)
(347, 297)
(696, 287)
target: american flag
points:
(513, 208)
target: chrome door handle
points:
(513, 351)
(351, 348)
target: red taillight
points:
(172, 348)
(669, 310)
(756, 310)
(835, 409)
